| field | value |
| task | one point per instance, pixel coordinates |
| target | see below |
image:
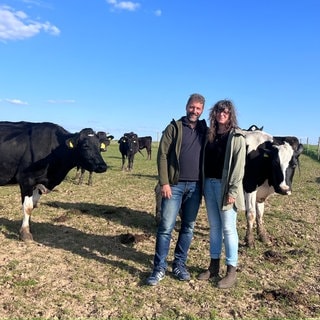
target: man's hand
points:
(166, 191)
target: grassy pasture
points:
(93, 249)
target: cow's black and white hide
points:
(270, 166)
(38, 156)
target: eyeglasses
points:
(223, 110)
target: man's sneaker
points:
(155, 277)
(181, 273)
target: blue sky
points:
(120, 66)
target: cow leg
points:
(27, 207)
(123, 162)
(130, 163)
(90, 178)
(77, 174)
(261, 231)
(81, 176)
(250, 199)
(29, 203)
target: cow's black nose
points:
(101, 168)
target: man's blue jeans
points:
(187, 196)
(223, 224)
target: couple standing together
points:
(194, 160)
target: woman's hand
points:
(230, 199)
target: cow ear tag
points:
(70, 144)
(103, 146)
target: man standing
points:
(179, 169)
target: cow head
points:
(104, 140)
(284, 162)
(132, 141)
(271, 159)
(86, 146)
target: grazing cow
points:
(270, 167)
(145, 143)
(128, 147)
(38, 156)
(104, 143)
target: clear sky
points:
(120, 66)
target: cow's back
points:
(24, 144)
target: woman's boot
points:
(213, 270)
(230, 279)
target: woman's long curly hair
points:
(213, 126)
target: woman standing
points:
(224, 162)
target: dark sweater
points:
(214, 156)
(190, 153)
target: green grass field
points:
(83, 264)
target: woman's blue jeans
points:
(223, 224)
(185, 195)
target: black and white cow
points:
(270, 166)
(105, 140)
(128, 147)
(38, 156)
(145, 143)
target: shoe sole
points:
(181, 279)
(154, 283)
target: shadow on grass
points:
(142, 220)
(124, 216)
(88, 245)
(102, 248)
(147, 176)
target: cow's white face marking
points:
(285, 154)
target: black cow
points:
(128, 147)
(145, 143)
(104, 143)
(270, 166)
(38, 156)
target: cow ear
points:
(70, 143)
(300, 149)
(102, 146)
